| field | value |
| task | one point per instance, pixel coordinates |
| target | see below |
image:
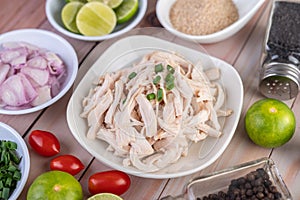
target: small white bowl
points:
(51, 42)
(53, 13)
(8, 133)
(246, 11)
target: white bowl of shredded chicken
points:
(205, 21)
(37, 68)
(155, 109)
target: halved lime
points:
(126, 10)
(68, 15)
(96, 19)
(111, 3)
(105, 196)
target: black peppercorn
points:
(249, 193)
(256, 185)
(260, 195)
(248, 185)
(250, 177)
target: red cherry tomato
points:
(113, 181)
(67, 163)
(44, 143)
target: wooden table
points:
(243, 51)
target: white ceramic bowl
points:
(51, 42)
(8, 133)
(124, 53)
(53, 12)
(246, 11)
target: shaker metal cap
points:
(280, 81)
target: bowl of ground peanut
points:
(205, 21)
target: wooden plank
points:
(54, 120)
(244, 58)
(242, 50)
(16, 14)
(287, 157)
(82, 48)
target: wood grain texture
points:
(242, 50)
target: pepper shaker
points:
(280, 72)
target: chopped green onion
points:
(17, 175)
(156, 80)
(10, 173)
(170, 77)
(170, 81)
(159, 94)
(170, 85)
(5, 193)
(3, 158)
(150, 96)
(12, 168)
(8, 181)
(159, 68)
(14, 157)
(170, 69)
(132, 75)
(10, 145)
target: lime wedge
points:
(126, 10)
(111, 3)
(105, 196)
(96, 19)
(68, 15)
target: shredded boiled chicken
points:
(150, 121)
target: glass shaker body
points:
(280, 73)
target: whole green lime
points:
(270, 123)
(55, 185)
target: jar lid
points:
(280, 81)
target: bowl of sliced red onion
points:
(37, 68)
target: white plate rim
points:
(157, 43)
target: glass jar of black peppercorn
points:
(280, 73)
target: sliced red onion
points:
(37, 62)
(39, 76)
(4, 69)
(55, 64)
(44, 95)
(29, 75)
(17, 91)
(18, 62)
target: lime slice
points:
(96, 19)
(83, 1)
(126, 10)
(105, 196)
(68, 15)
(111, 3)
